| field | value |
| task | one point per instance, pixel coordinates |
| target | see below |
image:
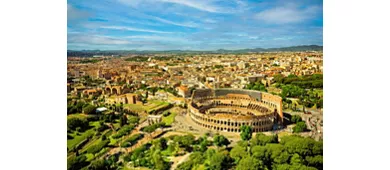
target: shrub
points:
(97, 147)
(152, 128)
(74, 122)
(90, 109)
(296, 118)
(131, 140)
(123, 131)
(300, 127)
(165, 114)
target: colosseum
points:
(227, 110)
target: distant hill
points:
(90, 53)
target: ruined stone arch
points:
(115, 91)
(107, 90)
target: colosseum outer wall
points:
(231, 124)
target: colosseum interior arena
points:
(226, 110)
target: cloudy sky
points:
(192, 24)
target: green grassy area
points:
(112, 141)
(71, 143)
(138, 168)
(96, 141)
(320, 92)
(135, 107)
(150, 105)
(170, 118)
(79, 115)
(89, 156)
(165, 153)
(94, 123)
(116, 125)
(299, 106)
(201, 167)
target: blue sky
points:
(192, 24)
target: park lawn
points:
(169, 119)
(93, 142)
(116, 125)
(79, 115)
(71, 143)
(152, 104)
(135, 107)
(138, 168)
(157, 104)
(94, 123)
(112, 141)
(281, 134)
(102, 152)
(166, 153)
(89, 156)
(201, 167)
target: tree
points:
(315, 161)
(75, 122)
(296, 159)
(261, 153)
(238, 152)
(197, 158)
(133, 119)
(250, 163)
(218, 161)
(154, 90)
(173, 147)
(122, 120)
(299, 127)
(77, 162)
(221, 140)
(158, 161)
(296, 118)
(289, 102)
(261, 139)
(246, 132)
(209, 153)
(98, 164)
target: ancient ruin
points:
(229, 109)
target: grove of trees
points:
(261, 152)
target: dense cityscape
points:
(184, 111)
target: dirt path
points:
(178, 160)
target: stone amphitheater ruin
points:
(226, 110)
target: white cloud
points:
(133, 29)
(210, 21)
(203, 5)
(155, 38)
(185, 24)
(198, 4)
(288, 14)
(95, 39)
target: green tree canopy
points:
(238, 152)
(90, 109)
(246, 132)
(299, 127)
(250, 163)
(296, 118)
(221, 140)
